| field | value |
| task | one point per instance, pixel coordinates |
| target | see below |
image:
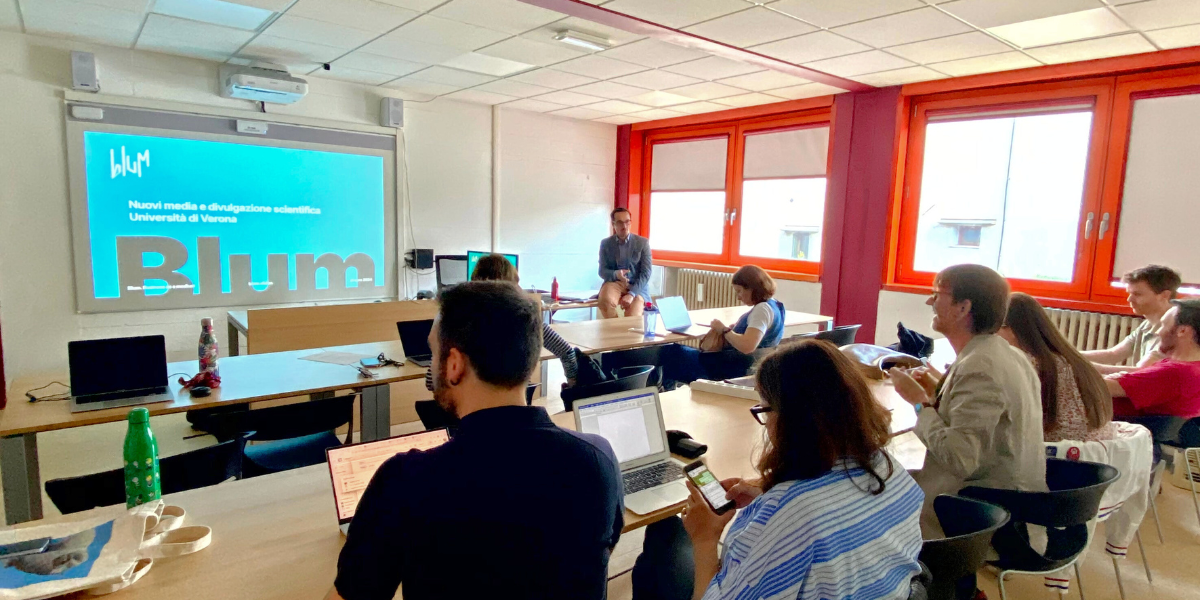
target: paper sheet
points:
(336, 358)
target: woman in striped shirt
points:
(831, 516)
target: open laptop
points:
(414, 337)
(632, 423)
(674, 313)
(118, 372)
(352, 466)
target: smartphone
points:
(710, 487)
(371, 363)
(24, 548)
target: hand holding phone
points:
(710, 487)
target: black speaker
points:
(420, 258)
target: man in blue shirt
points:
(625, 263)
(512, 506)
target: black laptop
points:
(118, 372)
(414, 336)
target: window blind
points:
(786, 154)
(689, 166)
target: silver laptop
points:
(674, 314)
(118, 372)
(632, 423)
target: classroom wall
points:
(449, 161)
(902, 307)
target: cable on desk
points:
(58, 396)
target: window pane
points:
(1019, 180)
(687, 221)
(782, 218)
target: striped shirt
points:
(825, 538)
(553, 342)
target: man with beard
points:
(513, 505)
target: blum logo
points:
(127, 165)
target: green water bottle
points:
(141, 460)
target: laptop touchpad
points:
(648, 501)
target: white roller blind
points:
(1161, 204)
(689, 166)
(794, 153)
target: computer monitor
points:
(474, 256)
(451, 269)
(351, 467)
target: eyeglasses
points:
(760, 413)
(624, 222)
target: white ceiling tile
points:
(1130, 43)
(654, 114)
(289, 52)
(444, 32)
(533, 105)
(9, 18)
(318, 32)
(478, 97)
(506, 15)
(213, 12)
(763, 80)
(809, 47)
(1176, 37)
(808, 90)
(653, 53)
(1063, 28)
(1160, 14)
(696, 108)
(365, 61)
(580, 112)
(609, 89)
(992, 13)
(512, 88)
(615, 36)
(617, 107)
(966, 45)
(359, 14)
(618, 119)
(411, 50)
(552, 79)
(598, 67)
(859, 64)
(827, 13)
(194, 34)
(427, 88)
(676, 14)
(707, 91)
(660, 99)
(271, 5)
(713, 67)
(532, 52)
(754, 99)
(448, 76)
(751, 27)
(991, 63)
(196, 48)
(899, 76)
(569, 98)
(488, 65)
(417, 5)
(905, 27)
(657, 80)
(355, 75)
(80, 20)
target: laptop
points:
(352, 466)
(632, 423)
(674, 314)
(118, 372)
(414, 337)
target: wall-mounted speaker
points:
(391, 112)
(84, 75)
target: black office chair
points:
(1076, 488)
(1188, 441)
(450, 269)
(626, 378)
(839, 336)
(292, 436)
(610, 362)
(434, 417)
(182, 472)
(968, 525)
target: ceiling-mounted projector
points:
(261, 82)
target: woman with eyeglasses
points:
(831, 515)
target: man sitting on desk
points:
(1150, 289)
(513, 506)
(1171, 386)
(625, 268)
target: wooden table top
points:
(239, 318)
(604, 335)
(730, 314)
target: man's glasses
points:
(760, 413)
(625, 222)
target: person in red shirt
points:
(1170, 387)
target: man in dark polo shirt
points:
(511, 507)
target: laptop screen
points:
(353, 466)
(117, 364)
(630, 424)
(414, 337)
(674, 313)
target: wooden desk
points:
(730, 314)
(604, 335)
(236, 322)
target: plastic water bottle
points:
(142, 483)
(554, 290)
(649, 320)
(207, 348)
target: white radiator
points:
(1094, 331)
(705, 289)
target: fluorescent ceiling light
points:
(487, 65)
(583, 40)
(216, 12)
(1059, 29)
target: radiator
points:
(1094, 331)
(705, 289)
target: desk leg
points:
(376, 413)
(545, 378)
(22, 480)
(827, 325)
(233, 344)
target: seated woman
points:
(762, 327)
(831, 516)
(495, 267)
(1076, 404)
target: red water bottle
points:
(554, 290)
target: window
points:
(687, 189)
(783, 193)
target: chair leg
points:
(1187, 462)
(1156, 485)
(1079, 581)
(1120, 583)
(1154, 512)
(1000, 581)
(1145, 565)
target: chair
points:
(839, 336)
(182, 472)
(293, 435)
(450, 269)
(610, 362)
(433, 416)
(1165, 432)
(968, 525)
(1076, 488)
(626, 379)
(1188, 440)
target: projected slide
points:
(184, 222)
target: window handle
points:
(1087, 228)
(1103, 225)
(732, 217)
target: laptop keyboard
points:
(652, 476)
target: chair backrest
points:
(433, 416)
(628, 378)
(636, 357)
(450, 269)
(287, 421)
(1076, 488)
(969, 526)
(840, 336)
(195, 469)
(530, 392)
(1189, 434)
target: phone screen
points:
(709, 486)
